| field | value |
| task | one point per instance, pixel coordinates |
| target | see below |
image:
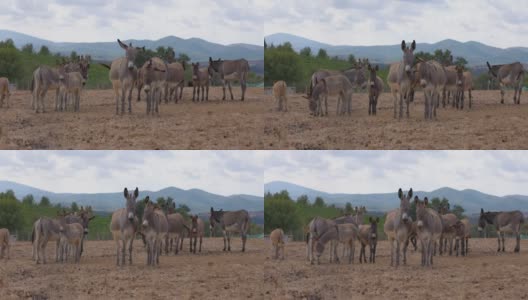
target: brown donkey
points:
(503, 221)
(197, 231)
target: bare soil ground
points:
(488, 125)
(215, 124)
(483, 274)
(213, 274)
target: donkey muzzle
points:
(85, 231)
(145, 223)
(130, 65)
(419, 224)
(130, 216)
(407, 68)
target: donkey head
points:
(195, 70)
(215, 64)
(214, 218)
(460, 76)
(485, 218)
(318, 92)
(420, 210)
(131, 203)
(408, 56)
(492, 70)
(372, 75)
(194, 224)
(373, 232)
(86, 216)
(148, 212)
(130, 53)
(405, 204)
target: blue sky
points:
(378, 22)
(220, 21)
(220, 172)
(495, 172)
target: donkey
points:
(396, 227)
(336, 85)
(511, 75)
(450, 87)
(316, 228)
(449, 221)
(123, 73)
(432, 78)
(70, 235)
(4, 242)
(429, 229)
(44, 230)
(200, 78)
(154, 78)
(4, 91)
(154, 227)
(71, 83)
(280, 95)
(231, 70)
(231, 221)
(464, 83)
(175, 80)
(368, 235)
(340, 233)
(175, 230)
(503, 221)
(413, 233)
(277, 242)
(124, 225)
(375, 84)
(462, 230)
(400, 77)
(197, 231)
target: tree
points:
(319, 202)
(74, 207)
(28, 200)
(183, 58)
(140, 208)
(44, 201)
(460, 61)
(27, 48)
(8, 44)
(44, 50)
(303, 200)
(74, 56)
(184, 210)
(458, 211)
(322, 54)
(10, 212)
(444, 57)
(10, 63)
(286, 46)
(281, 64)
(348, 208)
(352, 59)
(161, 202)
(280, 212)
(306, 51)
(423, 56)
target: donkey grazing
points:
(277, 242)
(197, 231)
(340, 233)
(432, 78)
(511, 75)
(400, 77)
(503, 221)
(154, 227)
(316, 228)
(4, 242)
(231, 221)
(231, 70)
(200, 81)
(280, 94)
(4, 91)
(368, 235)
(464, 83)
(429, 229)
(396, 227)
(375, 84)
(124, 225)
(336, 85)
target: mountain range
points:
(197, 49)
(471, 200)
(199, 201)
(474, 52)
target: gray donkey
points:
(503, 221)
(375, 85)
(508, 75)
(316, 228)
(154, 227)
(429, 229)
(368, 235)
(397, 227)
(432, 78)
(231, 70)
(400, 77)
(231, 221)
(124, 225)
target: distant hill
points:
(197, 49)
(471, 200)
(199, 201)
(476, 53)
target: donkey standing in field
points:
(462, 229)
(449, 221)
(280, 94)
(277, 243)
(124, 225)
(200, 78)
(368, 235)
(231, 221)
(4, 242)
(154, 226)
(511, 75)
(432, 79)
(70, 235)
(336, 85)
(429, 228)
(231, 70)
(123, 75)
(340, 233)
(504, 221)
(450, 87)
(4, 91)
(375, 84)
(316, 228)
(154, 73)
(464, 83)
(197, 231)
(70, 84)
(400, 77)
(175, 230)
(396, 227)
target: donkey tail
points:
(105, 65)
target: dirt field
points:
(210, 275)
(484, 274)
(214, 125)
(489, 125)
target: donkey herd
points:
(403, 79)
(161, 228)
(434, 230)
(159, 79)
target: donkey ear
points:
(126, 192)
(124, 46)
(136, 192)
(210, 59)
(416, 199)
(403, 45)
(481, 211)
(489, 66)
(426, 201)
(410, 193)
(400, 193)
(212, 210)
(413, 45)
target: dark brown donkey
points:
(368, 235)
(197, 231)
(504, 221)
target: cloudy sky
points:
(220, 172)
(220, 21)
(378, 22)
(495, 172)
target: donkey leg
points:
(223, 89)
(200, 250)
(397, 253)
(502, 234)
(498, 241)
(230, 90)
(225, 241)
(405, 253)
(518, 241)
